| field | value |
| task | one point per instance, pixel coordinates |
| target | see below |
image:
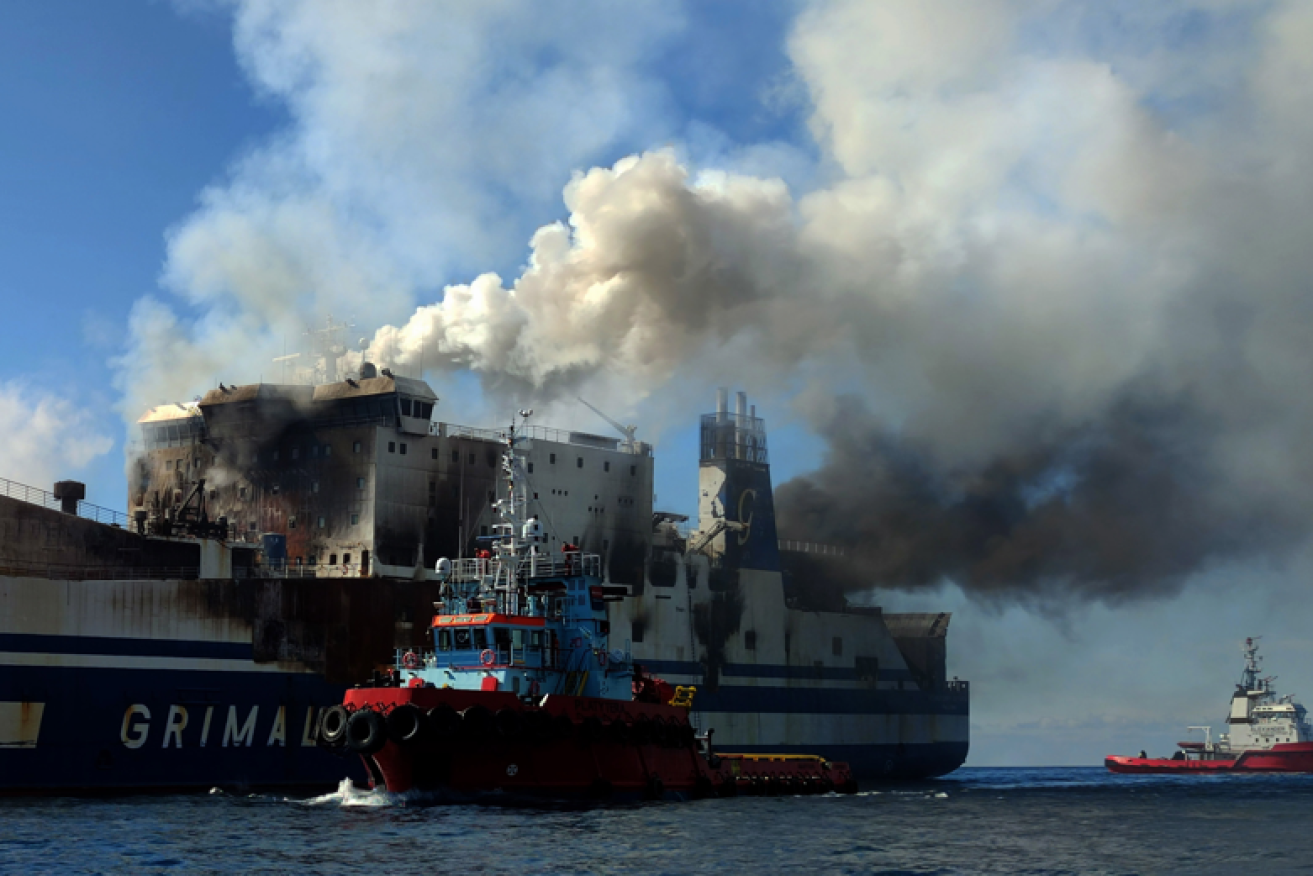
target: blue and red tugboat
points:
(524, 695)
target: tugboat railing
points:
(539, 565)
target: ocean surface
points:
(975, 821)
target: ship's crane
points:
(627, 431)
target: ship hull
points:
(87, 722)
(1295, 757)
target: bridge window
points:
(461, 637)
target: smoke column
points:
(1045, 297)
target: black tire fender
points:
(406, 724)
(366, 732)
(332, 725)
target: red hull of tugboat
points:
(1292, 757)
(570, 747)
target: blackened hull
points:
(87, 713)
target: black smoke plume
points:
(1124, 508)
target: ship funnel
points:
(722, 404)
(741, 406)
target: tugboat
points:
(1267, 734)
(524, 696)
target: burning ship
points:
(282, 539)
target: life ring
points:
(486, 657)
(411, 660)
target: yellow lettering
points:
(140, 731)
(173, 726)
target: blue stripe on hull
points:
(120, 647)
(81, 737)
(829, 701)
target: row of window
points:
(320, 522)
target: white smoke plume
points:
(1052, 274)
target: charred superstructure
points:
(357, 479)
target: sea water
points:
(974, 821)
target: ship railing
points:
(46, 499)
(526, 656)
(809, 547)
(534, 565)
(56, 572)
(958, 685)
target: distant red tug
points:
(523, 697)
(1267, 734)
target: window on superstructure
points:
(405, 407)
(274, 489)
(241, 492)
(837, 646)
(531, 468)
(433, 452)
(462, 639)
(606, 466)
(296, 453)
(360, 483)
(471, 460)
(251, 526)
(637, 629)
(291, 523)
(633, 470)
(314, 451)
(314, 486)
(321, 522)
(346, 559)
(355, 447)
(332, 559)
(750, 640)
(328, 450)
(403, 448)
(392, 447)
(444, 640)
(579, 462)
(552, 459)
(479, 639)
(355, 519)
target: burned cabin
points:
(358, 478)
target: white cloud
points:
(46, 437)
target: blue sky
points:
(988, 232)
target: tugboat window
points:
(444, 640)
(462, 640)
(479, 638)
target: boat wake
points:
(348, 796)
